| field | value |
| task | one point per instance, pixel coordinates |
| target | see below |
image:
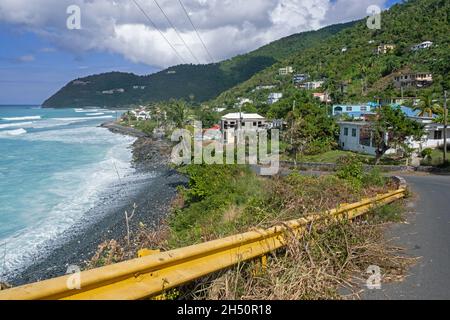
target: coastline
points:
(152, 188)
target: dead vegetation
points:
(328, 263)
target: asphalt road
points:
(426, 234)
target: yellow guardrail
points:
(154, 274)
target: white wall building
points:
(285, 71)
(244, 121)
(423, 45)
(311, 85)
(358, 137)
(274, 97)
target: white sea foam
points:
(85, 110)
(82, 118)
(95, 114)
(80, 190)
(15, 125)
(13, 133)
(22, 118)
(83, 135)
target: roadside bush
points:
(351, 168)
(320, 146)
(427, 153)
(374, 178)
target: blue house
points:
(356, 110)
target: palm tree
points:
(427, 106)
(178, 113)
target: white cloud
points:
(26, 58)
(228, 27)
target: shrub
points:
(350, 168)
(374, 178)
(427, 153)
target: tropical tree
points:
(178, 112)
(207, 116)
(392, 129)
(427, 105)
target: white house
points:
(385, 48)
(141, 114)
(419, 79)
(358, 136)
(264, 87)
(274, 97)
(323, 97)
(112, 91)
(285, 71)
(220, 110)
(244, 121)
(311, 85)
(242, 101)
(423, 45)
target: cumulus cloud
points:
(228, 27)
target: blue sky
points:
(36, 60)
(31, 68)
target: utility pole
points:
(445, 126)
(292, 126)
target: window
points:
(437, 135)
(353, 132)
(345, 131)
(254, 124)
(363, 109)
(349, 109)
(365, 136)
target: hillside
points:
(350, 66)
(197, 82)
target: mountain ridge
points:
(195, 82)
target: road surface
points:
(426, 234)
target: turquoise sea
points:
(54, 163)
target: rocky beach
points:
(151, 189)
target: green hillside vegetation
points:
(190, 82)
(365, 73)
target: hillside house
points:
(385, 48)
(141, 114)
(356, 110)
(264, 87)
(244, 121)
(285, 71)
(274, 97)
(323, 97)
(113, 91)
(243, 101)
(423, 45)
(420, 79)
(299, 78)
(397, 100)
(212, 134)
(311, 85)
(358, 135)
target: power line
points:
(176, 30)
(196, 31)
(160, 32)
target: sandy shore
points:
(152, 188)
